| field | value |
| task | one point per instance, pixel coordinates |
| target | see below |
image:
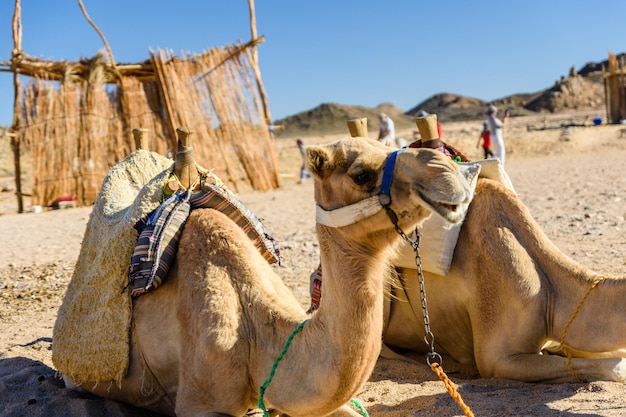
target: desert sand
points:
(570, 176)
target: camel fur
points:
(205, 341)
(503, 308)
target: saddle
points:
(160, 231)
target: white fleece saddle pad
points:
(439, 237)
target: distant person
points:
(485, 136)
(495, 129)
(304, 172)
(423, 113)
(387, 132)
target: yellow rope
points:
(571, 320)
(451, 389)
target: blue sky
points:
(341, 51)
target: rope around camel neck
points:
(293, 334)
(276, 362)
(569, 323)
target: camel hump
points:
(211, 235)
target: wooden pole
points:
(429, 133)
(622, 91)
(141, 140)
(16, 56)
(185, 165)
(104, 40)
(607, 107)
(158, 62)
(427, 126)
(255, 66)
(358, 127)
(614, 93)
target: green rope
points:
(355, 403)
(276, 362)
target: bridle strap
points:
(347, 215)
(385, 187)
(365, 208)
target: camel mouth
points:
(450, 207)
(449, 211)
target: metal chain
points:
(429, 337)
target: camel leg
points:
(139, 388)
(533, 367)
(250, 413)
(514, 350)
(345, 411)
(515, 355)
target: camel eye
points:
(364, 177)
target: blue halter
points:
(385, 188)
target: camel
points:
(506, 309)
(512, 305)
(209, 337)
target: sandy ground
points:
(571, 178)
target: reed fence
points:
(75, 119)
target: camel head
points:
(355, 179)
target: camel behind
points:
(94, 319)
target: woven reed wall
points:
(77, 120)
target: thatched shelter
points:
(75, 119)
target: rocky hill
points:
(329, 118)
(579, 90)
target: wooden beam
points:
(255, 66)
(358, 127)
(185, 163)
(16, 56)
(104, 40)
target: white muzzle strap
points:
(348, 215)
(353, 213)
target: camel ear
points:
(318, 160)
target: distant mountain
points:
(569, 93)
(331, 118)
(583, 89)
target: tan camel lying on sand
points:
(206, 340)
(509, 293)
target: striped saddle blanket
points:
(160, 231)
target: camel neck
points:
(353, 279)
(343, 337)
